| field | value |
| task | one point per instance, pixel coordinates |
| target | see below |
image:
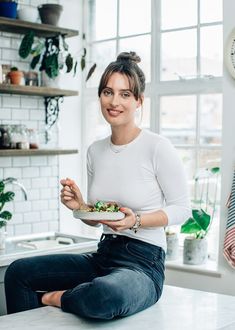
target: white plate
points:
(96, 216)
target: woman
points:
(139, 170)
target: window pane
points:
(178, 54)
(142, 46)
(96, 127)
(101, 54)
(210, 119)
(178, 118)
(145, 122)
(209, 158)
(100, 27)
(188, 157)
(211, 11)
(212, 50)
(173, 16)
(135, 17)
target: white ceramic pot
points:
(2, 238)
(172, 251)
(29, 14)
(195, 251)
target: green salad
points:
(101, 206)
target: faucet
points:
(17, 183)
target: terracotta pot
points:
(50, 13)
(16, 77)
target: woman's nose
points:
(115, 101)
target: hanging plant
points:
(52, 55)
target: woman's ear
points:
(140, 101)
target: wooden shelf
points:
(17, 26)
(35, 90)
(36, 152)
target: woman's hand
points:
(71, 195)
(123, 224)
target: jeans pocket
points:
(140, 251)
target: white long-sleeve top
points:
(145, 175)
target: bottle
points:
(33, 138)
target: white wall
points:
(224, 284)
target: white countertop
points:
(178, 309)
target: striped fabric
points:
(229, 240)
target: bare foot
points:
(52, 298)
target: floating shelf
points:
(17, 26)
(35, 90)
(36, 152)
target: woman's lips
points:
(114, 112)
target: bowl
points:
(29, 14)
(50, 13)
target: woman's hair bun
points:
(128, 57)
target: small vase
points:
(172, 241)
(195, 251)
(2, 238)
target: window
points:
(181, 55)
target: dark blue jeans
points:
(123, 277)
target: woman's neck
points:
(124, 135)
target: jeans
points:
(123, 277)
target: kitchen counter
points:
(178, 309)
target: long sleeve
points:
(172, 180)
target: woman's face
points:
(118, 103)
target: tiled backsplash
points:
(39, 174)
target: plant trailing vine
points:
(52, 55)
(4, 198)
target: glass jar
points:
(33, 138)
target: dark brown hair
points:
(126, 64)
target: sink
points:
(45, 241)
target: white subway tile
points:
(15, 43)
(53, 182)
(9, 54)
(37, 115)
(20, 161)
(40, 227)
(47, 215)
(26, 183)
(5, 161)
(33, 194)
(53, 160)
(40, 183)
(30, 172)
(45, 171)
(10, 230)
(23, 229)
(39, 205)
(11, 101)
(5, 113)
(23, 206)
(17, 218)
(20, 114)
(46, 193)
(29, 102)
(14, 172)
(5, 42)
(56, 192)
(53, 226)
(53, 204)
(38, 161)
(32, 217)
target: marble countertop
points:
(178, 309)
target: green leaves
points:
(4, 198)
(26, 44)
(198, 224)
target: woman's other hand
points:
(122, 224)
(71, 195)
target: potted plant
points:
(172, 242)
(4, 215)
(8, 8)
(195, 245)
(16, 76)
(52, 55)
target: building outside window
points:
(182, 57)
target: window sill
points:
(210, 268)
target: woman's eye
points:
(107, 92)
(125, 95)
